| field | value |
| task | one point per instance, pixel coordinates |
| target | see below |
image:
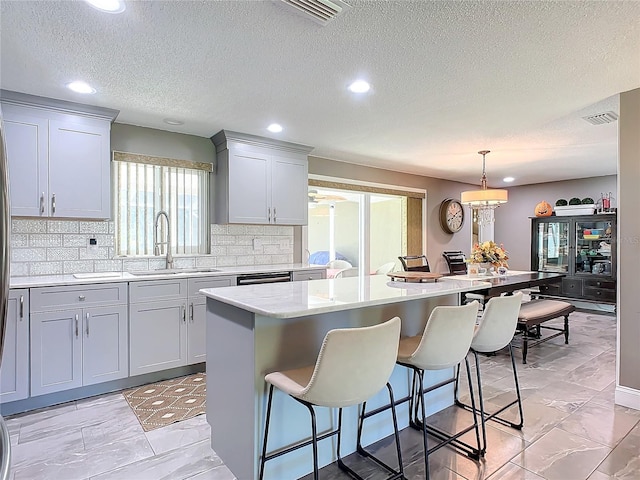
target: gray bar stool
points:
(353, 365)
(444, 343)
(496, 330)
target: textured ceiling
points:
(448, 78)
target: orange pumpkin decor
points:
(543, 209)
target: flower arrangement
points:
(489, 252)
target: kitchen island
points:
(254, 330)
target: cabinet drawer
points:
(195, 284)
(308, 275)
(604, 294)
(551, 289)
(572, 287)
(56, 298)
(154, 290)
(598, 283)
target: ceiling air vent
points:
(320, 11)
(600, 118)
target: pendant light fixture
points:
(484, 201)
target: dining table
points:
(511, 281)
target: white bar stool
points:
(444, 343)
(497, 327)
(353, 365)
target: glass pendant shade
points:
(485, 200)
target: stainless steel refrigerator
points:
(5, 226)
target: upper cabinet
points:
(59, 157)
(260, 180)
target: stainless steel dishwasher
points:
(269, 277)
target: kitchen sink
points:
(173, 271)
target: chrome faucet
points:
(156, 243)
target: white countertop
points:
(298, 299)
(110, 277)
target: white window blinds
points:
(144, 186)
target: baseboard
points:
(628, 397)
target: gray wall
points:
(629, 243)
(149, 141)
(513, 224)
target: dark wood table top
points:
(509, 283)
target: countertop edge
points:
(216, 294)
(69, 279)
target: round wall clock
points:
(451, 215)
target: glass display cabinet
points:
(583, 247)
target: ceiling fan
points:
(315, 197)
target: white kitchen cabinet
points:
(167, 322)
(260, 180)
(14, 374)
(312, 274)
(59, 158)
(158, 336)
(79, 336)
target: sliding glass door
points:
(366, 229)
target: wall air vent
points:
(600, 118)
(320, 11)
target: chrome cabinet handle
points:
(184, 314)
(76, 325)
(269, 214)
(274, 215)
(81, 298)
(191, 313)
(87, 323)
(53, 203)
(21, 307)
(42, 204)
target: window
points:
(145, 185)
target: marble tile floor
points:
(573, 431)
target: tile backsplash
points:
(56, 247)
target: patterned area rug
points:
(159, 404)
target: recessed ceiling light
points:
(275, 128)
(109, 6)
(359, 86)
(173, 121)
(508, 179)
(81, 87)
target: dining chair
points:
(353, 365)
(414, 263)
(456, 262)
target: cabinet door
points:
(157, 336)
(196, 331)
(56, 351)
(79, 169)
(27, 141)
(14, 374)
(289, 190)
(249, 180)
(105, 347)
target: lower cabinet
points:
(80, 346)
(314, 274)
(14, 374)
(158, 333)
(168, 322)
